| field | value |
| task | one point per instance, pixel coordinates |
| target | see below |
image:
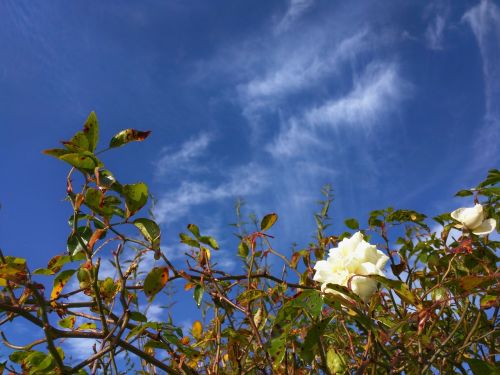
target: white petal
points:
(348, 245)
(367, 268)
(382, 260)
(486, 227)
(457, 213)
(471, 217)
(321, 268)
(363, 287)
(352, 263)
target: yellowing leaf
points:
(471, 282)
(150, 230)
(126, 136)
(268, 221)
(98, 234)
(59, 283)
(155, 281)
(68, 322)
(13, 270)
(91, 131)
(86, 326)
(197, 329)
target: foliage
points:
(435, 311)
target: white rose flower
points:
(353, 258)
(472, 218)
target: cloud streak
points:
(379, 91)
(484, 20)
(296, 68)
(183, 159)
(296, 8)
(174, 204)
(438, 14)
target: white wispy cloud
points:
(184, 158)
(437, 14)
(379, 85)
(174, 204)
(80, 348)
(155, 312)
(434, 32)
(298, 66)
(484, 20)
(378, 91)
(296, 8)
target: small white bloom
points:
(472, 218)
(351, 260)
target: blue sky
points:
(393, 103)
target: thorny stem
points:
(450, 336)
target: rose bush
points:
(280, 312)
(347, 265)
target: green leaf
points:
(345, 296)
(138, 317)
(491, 191)
(403, 216)
(198, 294)
(243, 249)
(493, 178)
(399, 287)
(74, 245)
(91, 130)
(43, 271)
(312, 339)
(150, 230)
(68, 322)
(352, 224)
(188, 240)
(19, 356)
(463, 193)
(126, 136)
(155, 281)
(56, 263)
(277, 349)
(194, 229)
(106, 178)
(156, 345)
(136, 196)
(94, 199)
(308, 300)
(335, 362)
(81, 160)
(37, 361)
(210, 241)
(479, 367)
(268, 221)
(56, 152)
(78, 143)
(108, 289)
